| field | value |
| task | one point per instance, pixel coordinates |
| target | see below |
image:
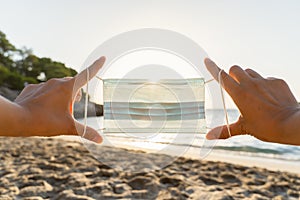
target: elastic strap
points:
(86, 102)
(223, 101)
(210, 80)
(98, 77)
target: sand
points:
(35, 168)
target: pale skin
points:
(269, 111)
(45, 109)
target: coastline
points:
(253, 161)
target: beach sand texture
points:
(35, 168)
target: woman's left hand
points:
(46, 107)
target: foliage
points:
(3, 74)
(21, 66)
(14, 80)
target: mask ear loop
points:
(86, 102)
(100, 129)
(223, 101)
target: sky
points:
(263, 35)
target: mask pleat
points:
(167, 105)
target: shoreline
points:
(255, 161)
(222, 156)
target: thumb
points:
(221, 132)
(90, 134)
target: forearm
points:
(12, 119)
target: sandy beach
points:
(38, 168)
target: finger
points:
(239, 74)
(221, 132)
(276, 84)
(28, 91)
(78, 96)
(228, 83)
(253, 73)
(271, 78)
(90, 134)
(71, 108)
(213, 69)
(67, 78)
(81, 79)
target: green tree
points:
(7, 50)
(20, 66)
(57, 70)
(29, 66)
(3, 74)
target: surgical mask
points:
(165, 106)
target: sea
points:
(238, 145)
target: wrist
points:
(14, 120)
(22, 121)
(291, 127)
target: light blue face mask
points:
(165, 106)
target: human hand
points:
(269, 110)
(46, 106)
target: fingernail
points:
(97, 139)
(211, 136)
(102, 58)
(207, 60)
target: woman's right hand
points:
(269, 110)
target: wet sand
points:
(36, 168)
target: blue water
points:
(242, 145)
